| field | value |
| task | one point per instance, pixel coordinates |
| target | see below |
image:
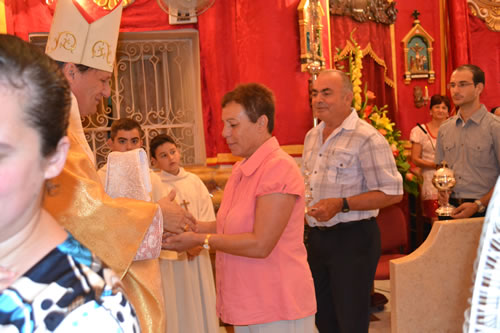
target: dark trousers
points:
(343, 260)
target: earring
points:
(51, 188)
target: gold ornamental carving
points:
(111, 4)
(379, 11)
(488, 11)
(311, 37)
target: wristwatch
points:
(345, 206)
(480, 207)
(206, 244)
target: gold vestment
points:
(112, 229)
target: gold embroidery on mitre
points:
(65, 40)
(488, 11)
(101, 49)
(111, 4)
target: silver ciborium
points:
(444, 180)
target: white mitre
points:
(89, 39)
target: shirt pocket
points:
(450, 152)
(478, 152)
(343, 168)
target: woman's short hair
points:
(256, 99)
(45, 93)
(438, 99)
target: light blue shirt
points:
(472, 150)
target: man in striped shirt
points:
(352, 174)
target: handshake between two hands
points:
(179, 227)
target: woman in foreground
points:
(48, 281)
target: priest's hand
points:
(175, 219)
(183, 242)
(171, 195)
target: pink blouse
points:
(279, 287)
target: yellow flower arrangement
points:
(377, 117)
(356, 65)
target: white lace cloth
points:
(127, 176)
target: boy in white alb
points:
(194, 291)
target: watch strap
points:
(345, 206)
(480, 207)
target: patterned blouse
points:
(69, 290)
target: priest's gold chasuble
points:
(113, 229)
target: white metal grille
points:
(156, 82)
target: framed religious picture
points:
(418, 53)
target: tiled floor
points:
(383, 325)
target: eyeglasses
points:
(461, 84)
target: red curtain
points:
(459, 34)
(24, 17)
(471, 41)
(485, 47)
(377, 61)
(240, 41)
(243, 41)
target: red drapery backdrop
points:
(377, 60)
(472, 42)
(485, 49)
(240, 42)
(459, 34)
(251, 42)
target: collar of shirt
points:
(251, 164)
(476, 117)
(349, 124)
(165, 176)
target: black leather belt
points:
(458, 201)
(342, 225)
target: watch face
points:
(480, 207)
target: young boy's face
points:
(126, 140)
(167, 158)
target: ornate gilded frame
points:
(488, 11)
(310, 14)
(418, 52)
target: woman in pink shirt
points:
(262, 277)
